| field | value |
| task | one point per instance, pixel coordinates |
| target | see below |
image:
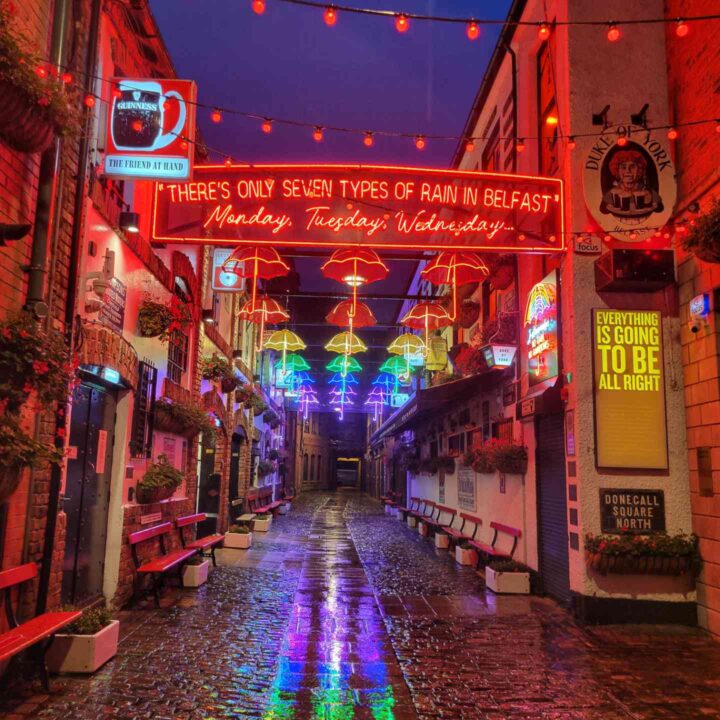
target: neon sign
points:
(541, 333)
(373, 206)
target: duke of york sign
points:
(630, 188)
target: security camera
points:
(696, 325)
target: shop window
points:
(503, 430)
(142, 425)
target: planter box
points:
(240, 541)
(465, 557)
(442, 540)
(262, 525)
(196, 575)
(284, 509)
(638, 564)
(411, 521)
(516, 583)
(83, 653)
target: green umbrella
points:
(396, 365)
(293, 363)
(344, 364)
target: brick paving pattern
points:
(342, 613)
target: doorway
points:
(552, 507)
(348, 472)
(208, 495)
(87, 492)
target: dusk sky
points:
(360, 73)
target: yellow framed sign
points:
(629, 390)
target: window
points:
(177, 356)
(502, 430)
(312, 467)
(486, 420)
(305, 468)
(547, 107)
(491, 151)
(141, 432)
(456, 444)
(317, 475)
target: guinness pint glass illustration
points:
(138, 116)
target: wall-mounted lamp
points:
(12, 232)
(129, 222)
(208, 316)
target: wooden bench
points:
(404, 511)
(430, 520)
(161, 564)
(463, 534)
(261, 501)
(36, 634)
(445, 525)
(492, 551)
(203, 544)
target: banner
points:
(629, 383)
(382, 207)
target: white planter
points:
(240, 541)
(516, 583)
(388, 510)
(411, 521)
(195, 575)
(262, 525)
(423, 529)
(442, 540)
(465, 557)
(83, 653)
(284, 509)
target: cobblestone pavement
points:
(342, 613)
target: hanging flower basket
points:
(181, 418)
(638, 564)
(704, 236)
(24, 126)
(145, 496)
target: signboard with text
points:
(629, 383)
(148, 122)
(541, 330)
(112, 313)
(632, 510)
(222, 281)
(382, 207)
(466, 487)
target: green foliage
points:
(218, 368)
(18, 449)
(32, 360)
(157, 319)
(507, 566)
(704, 236)
(497, 455)
(189, 416)
(239, 529)
(263, 516)
(91, 622)
(265, 467)
(58, 104)
(161, 474)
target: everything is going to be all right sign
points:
(629, 388)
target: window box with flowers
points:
(218, 369)
(33, 363)
(36, 104)
(182, 418)
(628, 553)
(238, 537)
(497, 455)
(159, 482)
(161, 320)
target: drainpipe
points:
(60, 22)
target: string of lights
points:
(402, 19)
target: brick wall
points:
(693, 67)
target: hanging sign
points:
(629, 384)
(112, 313)
(147, 123)
(500, 356)
(632, 510)
(345, 206)
(224, 281)
(541, 331)
(630, 188)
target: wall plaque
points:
(632, 510)
(112, 313)
(466, 487)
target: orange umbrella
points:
(264, 311)
(344, 314)
(455, 268)
(256, 262)
(427, 316)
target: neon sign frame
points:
(541, 327)
(480, 220)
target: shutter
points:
(142, 427)
(552, 507)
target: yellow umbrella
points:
(346, 343)
(284, 340)
(407, 345)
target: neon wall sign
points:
(374, 206)
(541, 332)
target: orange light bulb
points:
(571, 143)
(41, 71)
(672, 134)
(330, 16)
(472, 30)
(420, 142)
(89, 101)
(137, 126)
(613, 33)
(368, 139)
(67, 78)
(469, 146)
(216, 116)
(681, 28)
(543, 31)
(622, 141)
(266, 127)
(318, 134)
(402, 23)
(520, 145)
(258, 7)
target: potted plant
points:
(258, 405)
(238, 537)
(265, 468)
(220, 370)
(273, 454)
(159, 482)
(508, 457)
(195, 571)
(629, 553)
(85, 645)
(245, 393)
(465, 554)
(508, 577)
(262, 522)
(158, 319)
(703, 239)
(181, 418)
(36, 103)
(442, 540)
(480, 459)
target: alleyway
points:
(342, 613)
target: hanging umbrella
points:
(396, 366)
(455, 268)
(308, 397)
(256, 262)
(348, 379)
(304, 378)
(284, 341)
(264, 311)
(407, 344)
(344, 364)
(427, 316)
(346, 343)
(386, 381)
(292, 363)
(345, 314)
(376, 399)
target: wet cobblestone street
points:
(342, 613)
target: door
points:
(208, 498)
(87, 492)
(552, 507)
